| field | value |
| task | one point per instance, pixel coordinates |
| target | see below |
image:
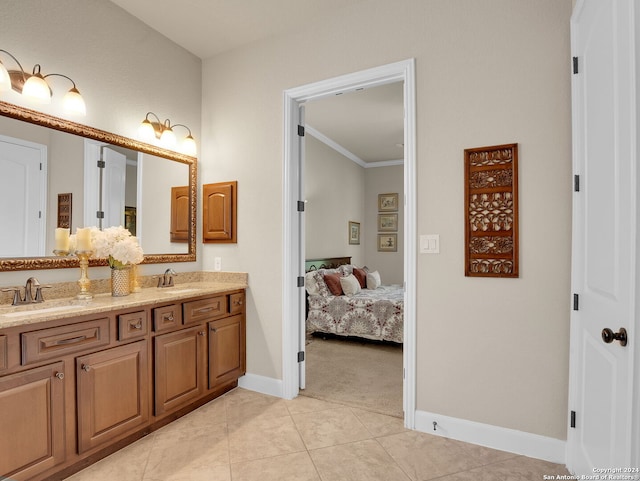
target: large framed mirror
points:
(156, 190)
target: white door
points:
(113, 187)
(23, 197)
(604, 237)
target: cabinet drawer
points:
(132, 325)
(4, 353)
(195, 311)
(59, 341)
(236, 303)
(167, 317)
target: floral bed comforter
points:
(371, 314)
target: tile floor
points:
(246, 436)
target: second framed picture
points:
(388, 222)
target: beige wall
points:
(334, 194)
(489, 350)
(122, 68)
(382, 180)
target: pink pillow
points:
(333, 283)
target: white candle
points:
(62, 239)
(83, 239)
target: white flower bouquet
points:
(118, 245)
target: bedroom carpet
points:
(357, 374)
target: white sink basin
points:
(171, 290)
(45, 310)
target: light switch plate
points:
(430, 244)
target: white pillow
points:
(373, 280)
(350, 285)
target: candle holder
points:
(60, 253)
(84, 280)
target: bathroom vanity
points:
(79, 381)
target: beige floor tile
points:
(360, 461)
(197, 473)
(212, 413)
(242, 407)
(290, 467)
(304, 404)
(519, 468)
(329, 428)
(424, 456)
(263, 437)
(129, 463)
(379, 424)
(180, 454)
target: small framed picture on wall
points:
(388, 202)
(388, 222)
(354, 233)
(387, 242)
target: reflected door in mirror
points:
(180, 214)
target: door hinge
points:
(301, 130)
(573, 419)
(100, 214)
(300, 356)
(39, 214)
(576, 302)
(300, 281)
(301, 206)
(576, 183)
(575, 65)
(40, 165)
(101, 164)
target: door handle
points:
(609, 336)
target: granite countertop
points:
(49, 310)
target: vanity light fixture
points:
(34, 86)
(150, 130)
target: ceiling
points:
(368, 124)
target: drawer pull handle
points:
(86, 367)
(169, 318)
(71, 340)
(59, 375)
(137, 325)
(205, 309)
(239, 302)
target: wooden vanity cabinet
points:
(32, 419)
(75, 390)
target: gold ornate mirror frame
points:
(45, 120)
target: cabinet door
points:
(32, 421)
(219, 212)
(226, 350)
(113, 393)
(179, 368)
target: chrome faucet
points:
(167, 279)
(28, 297)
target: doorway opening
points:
(294, 223)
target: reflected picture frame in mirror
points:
(63, 125)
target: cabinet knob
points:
(200, 333)
(86, 368)
(59, 375)
(213, 329)
(137, 325)
(169, 318)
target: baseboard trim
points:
(261, 384)
(504, 439)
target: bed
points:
(371, 313)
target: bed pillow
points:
(333, 284)
(361, 275)
(311, 283)
(350, 285)
(373, 280)
(346, 269)
(322, 289)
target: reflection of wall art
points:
(354, 233)
(65, 203)
(387, 242)
(388, 202)
(491, 207)
(387, 222)
(130, 214)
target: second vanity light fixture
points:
(34, 86)
(150, 130)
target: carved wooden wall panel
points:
(491, 211)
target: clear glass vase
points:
(121, 281)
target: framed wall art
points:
(388, 222)
(388, 202)
(491, 211)
(354, 233)
(387, 242)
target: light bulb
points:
(36, 88)
(189, 146)
(5, 80)
(146, 131)
(168, 138)
(73, 103)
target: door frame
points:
(293, 246)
